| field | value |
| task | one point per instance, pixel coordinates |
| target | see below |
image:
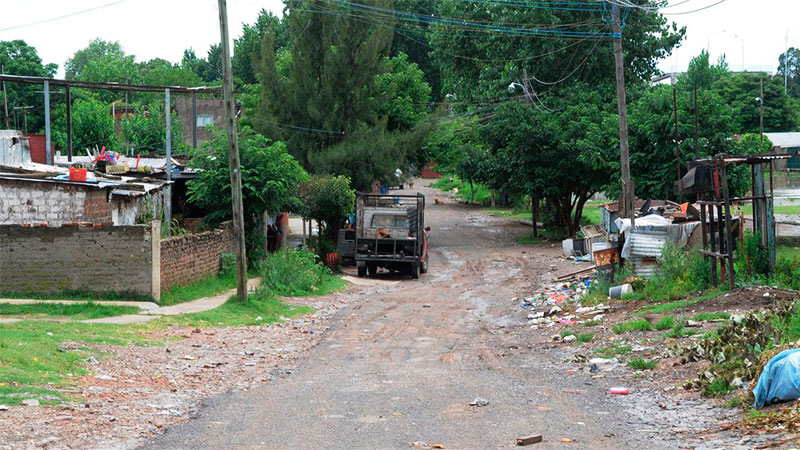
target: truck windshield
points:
(389, 221)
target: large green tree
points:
(247, 49)
(19, 58)
(789, 65)
(742, 90)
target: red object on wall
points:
(38, 148)
(428, 172)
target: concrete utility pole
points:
(696, 130)
(68, 101)
(47, 143)
(233, 151)
(167, 225)
(675, 135)
(628, 196)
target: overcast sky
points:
(164, 28)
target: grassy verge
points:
(298, 273)
(88, 310)
(481, 196)
(782, 209)
(33, 364)
(209, 286)
(80, 295)
(261, 308)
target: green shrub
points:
(665, 323)
(585, 337)
(295, 273)
(642, 364)
(681, 274)
(752, 259)
(632, 325)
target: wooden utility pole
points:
(675, 133)
(761, 118)
(68, 102)
(5, 97)
(696, 130)
(628, 196)
(233, 152)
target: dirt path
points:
(402, 362)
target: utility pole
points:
(68, 101)
(5, 96)
(675, 134)
(233, 151)
(761, 118)
(628, 197)
(696, 129)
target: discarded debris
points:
(528, 440)
(479, 402)
(619, 390)
(570, 338)
(778, 380)
(30, 402)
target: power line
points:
(52, 19)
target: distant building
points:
(788, 142)
(210, 111)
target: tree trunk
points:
(472, 189)
(492, 198)
(535, 213)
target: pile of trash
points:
(560, 304)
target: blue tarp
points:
(780, 380)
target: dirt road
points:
(401, 364)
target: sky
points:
(750, 33)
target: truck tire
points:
(362, 271)
(415, 271)
(372, 269)
(423, 268)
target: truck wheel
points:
(362, 271)
(415, 271)
(372, 269)
(423, 268)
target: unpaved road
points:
(401, 364)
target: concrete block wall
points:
(53, 203)
(188, 258)
(76, 258)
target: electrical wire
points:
(52, 19)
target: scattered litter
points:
(30, 402)
(528, 440)
(619, 390)
(778, 380)
(188, 357)
(616, 292)
(693, 324)
(3, 408)
(570, 338)
(479, 402)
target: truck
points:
(390, 232)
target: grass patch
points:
(614, 350)
(295, 273)
(261, 308)
(77, 311)
(711, 316)
(642, 364)
(632, 325)
(80, 295)
(482, 194)
(566, 333)
(591, 213)
(665, 323)
(717, 388)
(34, 366)
(528, 239)
(513, 214)
(592, 323)
(585, 337)
(676, 305)
(782, 209)
(208, 286)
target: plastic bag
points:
(780, 379)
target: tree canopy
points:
(19, 58)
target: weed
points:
(614, 350)
(632, 325)
(642, 364)
(297, 273)
(78, 311)
(208, 286)
(585, 337)
(665, 323)
(592, 323)
(717, 388)
(566, 333)
(711, 316)
(736, 401)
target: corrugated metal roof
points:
(644, 267)
(784, 140)
(648, 241)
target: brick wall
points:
(54, 203)
(193, 256)
(97, 259)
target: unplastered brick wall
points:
(24, 201)
(190, 257)
(52, 260)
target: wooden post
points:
(675, 133)
(728, 234)
(47, 141)
(628, 195)
(233, 152)
(5, 96)
(696, 130)
(68, 101)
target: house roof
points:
(784, 140)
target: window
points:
(389, 221)
(205, 120)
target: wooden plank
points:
(528, 440)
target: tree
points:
(330, 90)
(247, 49)
(161, 72)
(208, 69)
(702, 73)
(270, 176)
(406, 92)
(740, 90)
(329, 200)
(103, 61)
(92, 126)
(412, 40)
(18, 58)
(789, 63)
(145, 130)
